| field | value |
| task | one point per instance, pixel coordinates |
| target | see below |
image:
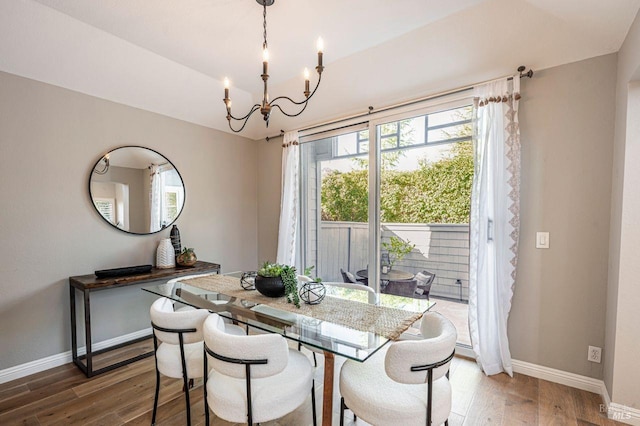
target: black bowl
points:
(270, 286)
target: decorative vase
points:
(165, 255)
(248, 280)
(270, 286)
(175, 240)
(312, 292)
(187, 258)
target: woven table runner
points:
(382, 320)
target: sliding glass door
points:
(335, 200)
(390, 200)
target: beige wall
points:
(49, 140)
(269, 190)
(621, 374)
(566, 122)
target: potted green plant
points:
(397, 249)
(187, 257)
(276, 280)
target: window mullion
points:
(374, 212)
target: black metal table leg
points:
(74, 337)
(87, 332)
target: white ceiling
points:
(170, 56)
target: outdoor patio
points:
(457, 312)
(442, 249)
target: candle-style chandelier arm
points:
(297, 103)
(245, 118)
(254, 108)
(287, 114)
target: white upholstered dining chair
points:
(253, 378)
(407, 384)
(178, 345)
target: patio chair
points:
(418, 287)
(425, 280)
(349, 277)
(406, 288)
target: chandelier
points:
(266, 105)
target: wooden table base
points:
(327, 392)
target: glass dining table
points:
(326, 336)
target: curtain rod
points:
(521, 68)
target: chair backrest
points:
(406, 288)
(349, 285)
(425, 278)
(270, 347)
(438, 343)
(187, 277)
(163, 315)
(348, 277)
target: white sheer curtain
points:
(289, 206)
(495, 222)
(155, 198)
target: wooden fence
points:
(440, 248)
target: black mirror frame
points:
(184, 202)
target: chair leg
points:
(191, 384)
(313, 402)
(206, 376)
(155, 399)
(186, 397)
(342, 407)
(157, 393)
(185, 379)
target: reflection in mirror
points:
(136, 190)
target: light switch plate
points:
(542, 240)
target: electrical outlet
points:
(595, 354)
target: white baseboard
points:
(22, 370)
(558, 376)
(606, 399)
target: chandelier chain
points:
(264, 24)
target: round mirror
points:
(136, 190)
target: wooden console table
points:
(90, 283)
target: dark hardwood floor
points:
(64, 396)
